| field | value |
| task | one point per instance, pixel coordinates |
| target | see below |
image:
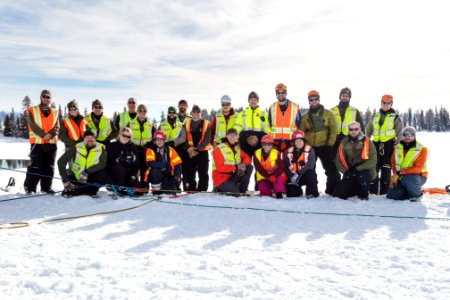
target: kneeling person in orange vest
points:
(87, 172)
(356, 159)
(164, 165)
(231, 166)
(409, 164)
(300, 161)
(269, 169)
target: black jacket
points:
(125, 155)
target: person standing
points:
(269, 169)
(345, 114)
(43, 127)
(409, 163)
(319, 126)
(171, 126)
(386, 128)
(252, 124)
(182, 111)
(102, 126)
(225, 119)
(74, 126)
(356, 159)
(196, 137)
(127, 116)
(231, 166)
(300, 162)
(284, 118)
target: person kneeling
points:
(300, 161)
(231, 166)
(269, 169)
(356, 159)
(164, 165)
(87, 172)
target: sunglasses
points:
(278, 93)
(196, 112)
(46, 97)
(126, 136)
(353, 129)
(143, 111)
(266, 144)
(224, 105)
(73, 109)
(314, 100)
(98, 107)
(407, 134)
(386, 102)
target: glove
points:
(84, 176)
(69, 186)
(192, 152)
(294, 179)
(241, 170)
(252, 140)
(394, 181)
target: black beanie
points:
(347, 91)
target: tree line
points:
(438, 119)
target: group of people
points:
(281, 145)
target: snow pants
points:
(198, 164)
(408, 187)
(93, 184)
(353, 184)
(309, 178)
(380, 184)
(237, 184)
(267, 187)
(325, 154)
(42, 158)
(163, 182)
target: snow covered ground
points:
(169, 251)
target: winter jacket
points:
(165, 159)
(295, 158)
(319, 127)
(226, 159)
(125, 155)
(270, 173)
(64, 131)
(398, 126)
(418, 166)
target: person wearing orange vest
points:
(300, 162)
(43, 127)
(164, 165)
(284, 118)
(356, 159)
(73, 127)
(269, 169)
(409, 165)
(195, 136)
(231, 166)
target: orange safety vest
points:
(75, 131)
(189, 135)
(45, 123)
(294, 166)
(283, 125)
(174, 160)
(268, 164)
(364, 153)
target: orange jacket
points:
(223, 169)
(417, 167)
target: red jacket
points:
(222, 169)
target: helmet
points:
(298, 134)
(267, 139)
(387, 98)
(281, 87)
(159, 134)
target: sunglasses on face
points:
(131, 102)
(46, 97)
(278, 93)
(386, 103)
(266, 144)
(314, 100)
(142, 111)
(407, 134)
(73, 109)
(225, 105)
(353, 129)
(126, 136)
(98, 107)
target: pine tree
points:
(8, 130)
(23, 124)
(367, 116)
(163, 116)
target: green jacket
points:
(319, 127)
(352, 154)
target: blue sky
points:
(163, 51)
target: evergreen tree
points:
(23, 123)
(114, 118)
(163, 116)
(367, 116)
(8, 128)
(410, 117)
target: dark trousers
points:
(93, 184)
(120, 175)
(163, 182)
(309, 178)
(237, 184)
(326, 158)
(353, 184)
(142, 166)
(182, 153)
(380, 184)
(198, 164)
(42, 159)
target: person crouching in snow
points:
(231, 166)
(164, 165)
(409, 164)
(300, 161)
(357, 160)
(87, 172)
(269, 169)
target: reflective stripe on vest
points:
(230, 158)
(84, 159)
(386, 131)
(171, 133)
(268, 164)
(125, 118)
(189, 135)
(104, 129)
(222, 126)
(250, 119)
(140, 138)
(283, 125)
(294, 166)
(350, 116)
(45, 123)
(364, 153)
(174, 160)
(403, 161)
(75, 132)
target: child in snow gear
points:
(87, 167)
(43, 127)
(386, 127)
(102, 126)
(409, 164)
(356, 159)
(300, 162)
(231, 166)
(126, 117)
(164, 165)
(225, 119)
(73, 127)
(319, 125)
(269, 169)
(284, 118)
